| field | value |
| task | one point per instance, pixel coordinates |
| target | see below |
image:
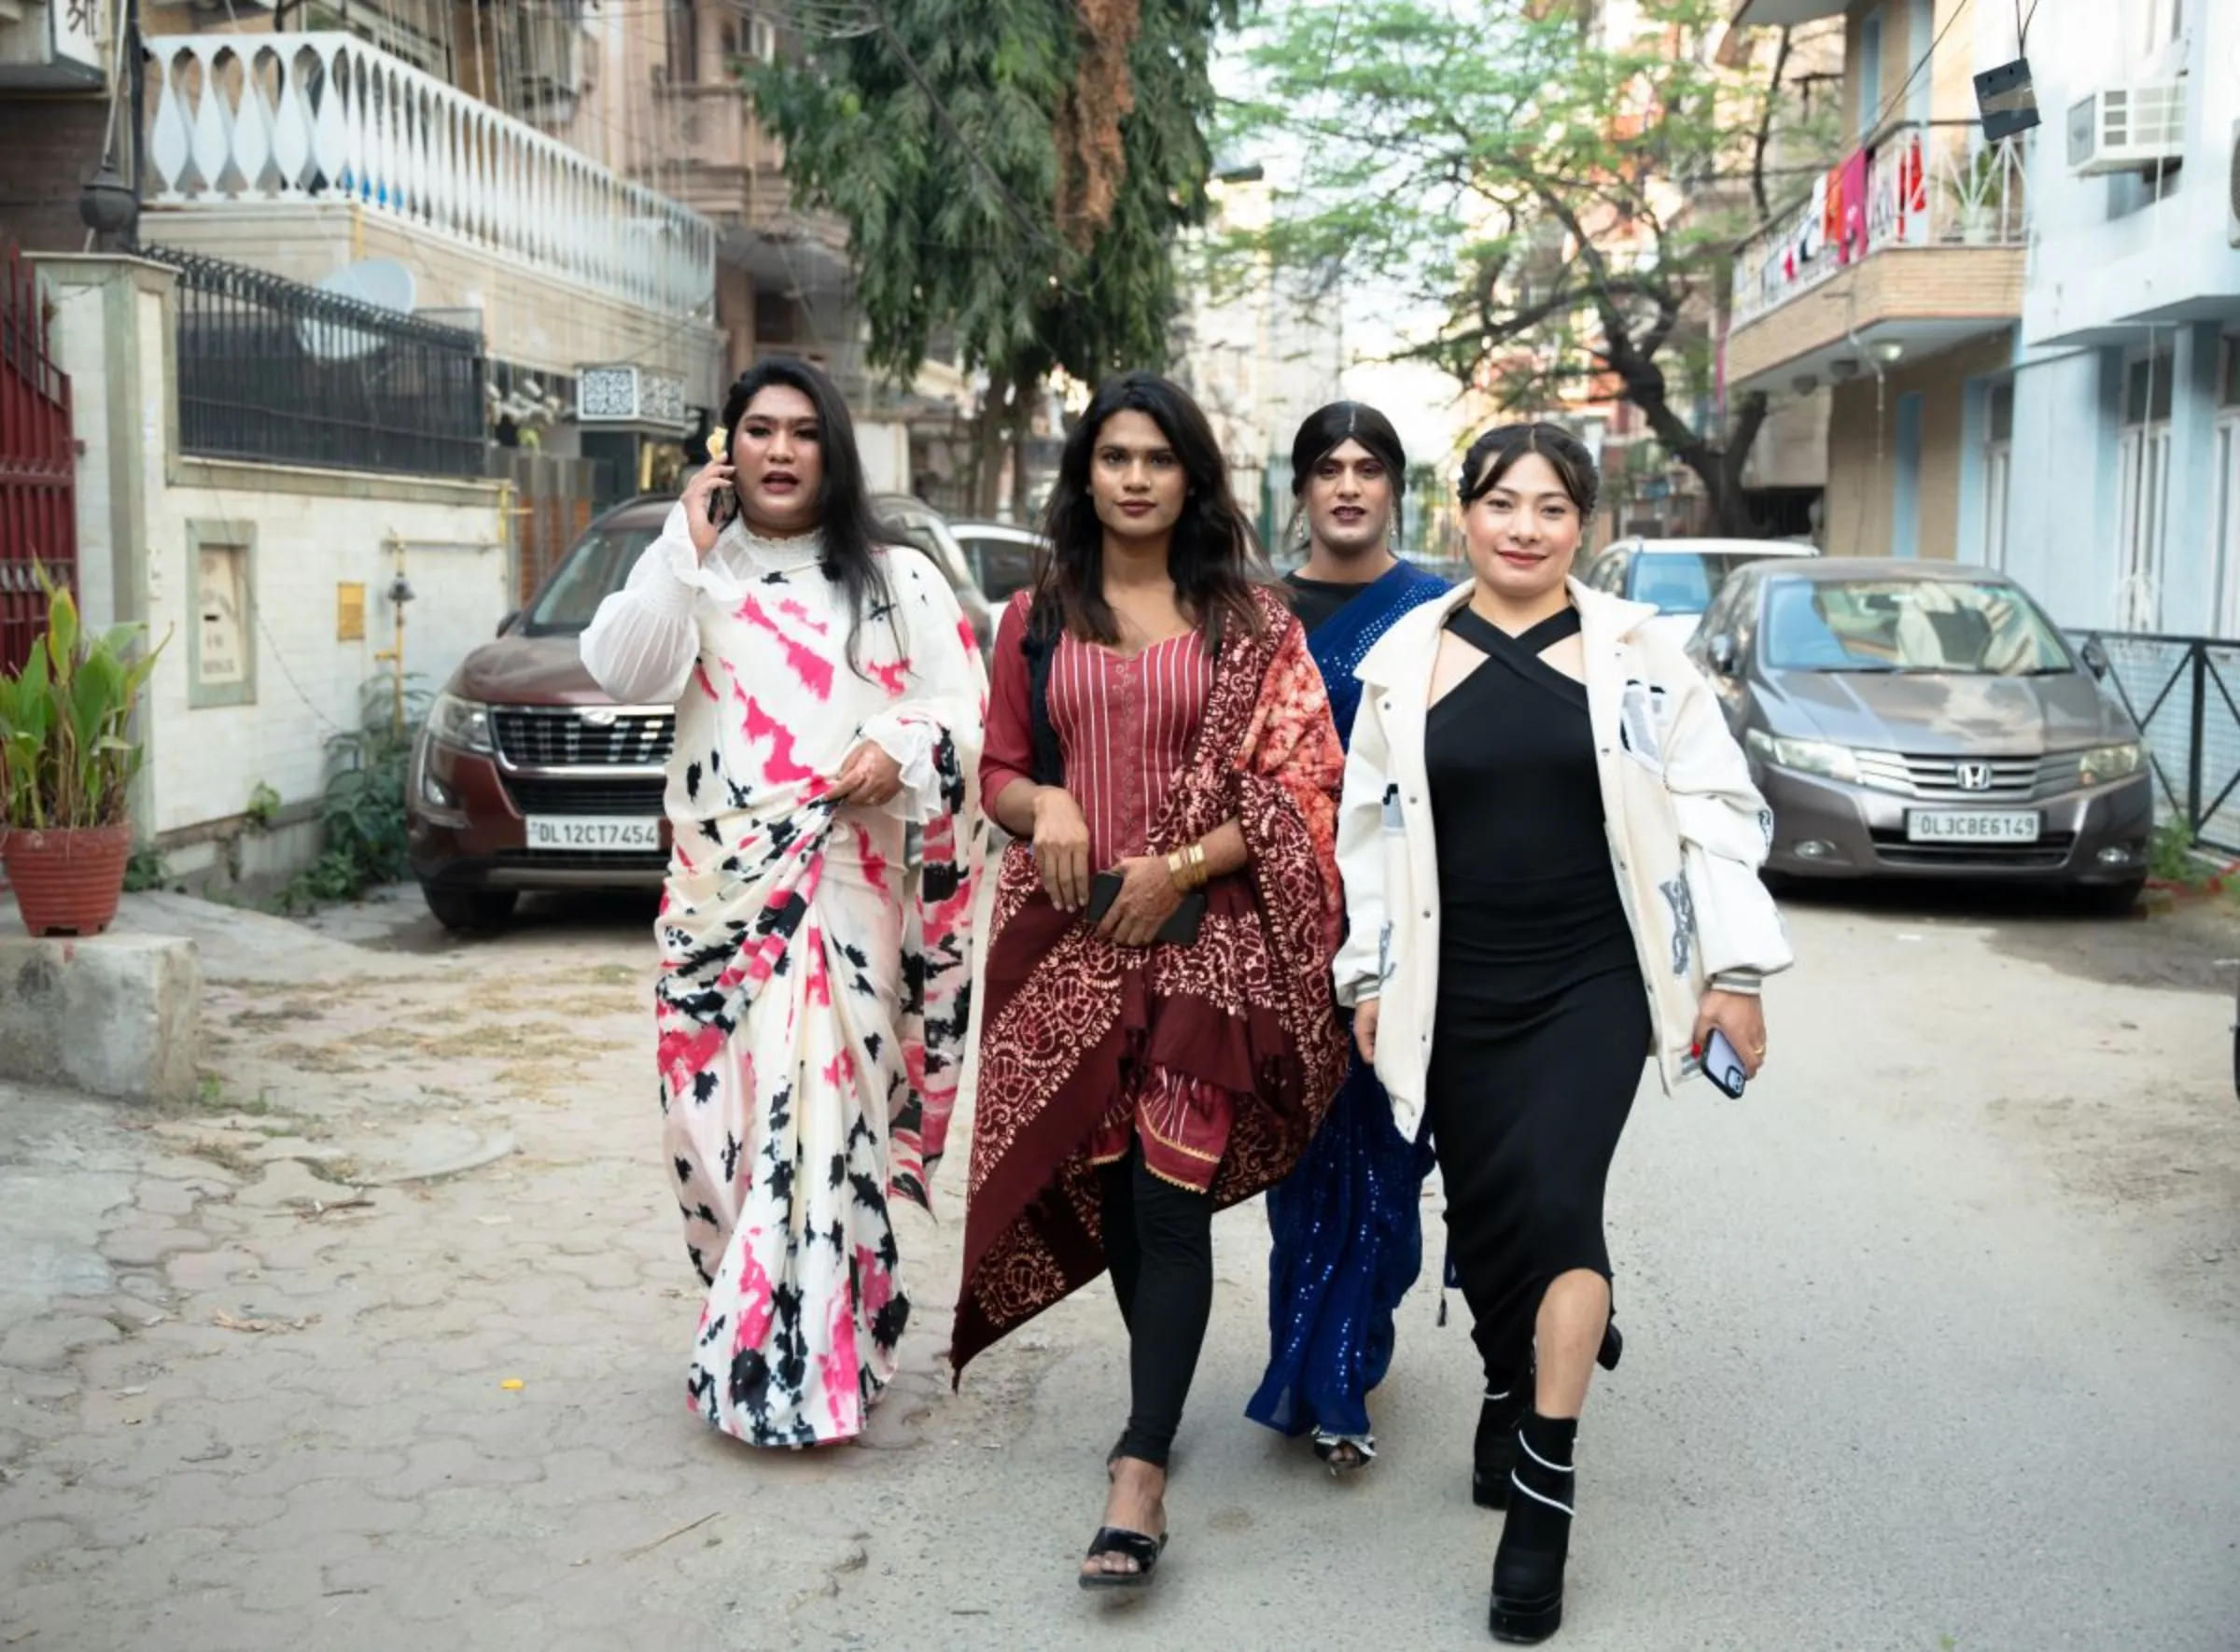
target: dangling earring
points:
(1298, 531)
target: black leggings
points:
(1158, 1241)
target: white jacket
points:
(1687, 834)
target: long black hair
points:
(844, 516)
(1493, 454)
(1214, 558)
(1328, 428)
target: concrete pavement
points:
(1934, 1341)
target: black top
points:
(1528, 897)
(1317, 600)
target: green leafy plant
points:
(2170, 857)
(362, 814)
(264, 807)
(67, 758)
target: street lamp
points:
(107, 205)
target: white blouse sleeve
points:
(641, 644)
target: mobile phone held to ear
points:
(1181, 927)
(1723, 1067)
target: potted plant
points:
(66, 766)
(1976, 194)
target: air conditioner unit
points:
(2128, 128)
(2231, 190)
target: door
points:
(39, 463)
(2145, 461)
(2142, 500)
(1998, 454)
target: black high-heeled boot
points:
(1535, 1540)
(1493, 1452)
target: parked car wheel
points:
(468, 910)
(2107, 900)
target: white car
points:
(1680, 577)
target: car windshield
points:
(1970, 628)
(1003, 565)
(1682, 581)
(594, 572)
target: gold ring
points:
(1759, 1051)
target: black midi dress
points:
(1542, 1027)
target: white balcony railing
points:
(327, 117)
(1925, 185)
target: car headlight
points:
(461, 724)
(1805, 757)
(2104, 763)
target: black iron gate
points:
(2182, 692)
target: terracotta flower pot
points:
(67, 882)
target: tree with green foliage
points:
(1012, 174)
(1552, 195)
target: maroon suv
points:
(527, 776)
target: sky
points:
(1421, 401)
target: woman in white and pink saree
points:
(814, 926)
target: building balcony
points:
(1930, 256)
(300, 153)
(718, 160)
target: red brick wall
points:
(49, 147)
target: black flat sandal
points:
(1134, 1546)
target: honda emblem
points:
(602, 718)
(1973, 776)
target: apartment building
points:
(2031, 341)
(1893, 281)
(581, 183)
(2111, 450)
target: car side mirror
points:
(2096, 658)
(506, 625)
(1721, 651)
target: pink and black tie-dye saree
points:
(815, 960)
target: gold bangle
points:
(1175, 870)
(1200, 876)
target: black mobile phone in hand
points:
(1181, 927)
(1723, 1067)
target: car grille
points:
(1937, 779)
(560, 736)
(586, 797)
(2047, 854)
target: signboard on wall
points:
(222, 591)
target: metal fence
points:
(2184, 692)
(271, 370)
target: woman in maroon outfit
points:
(1166, 1047)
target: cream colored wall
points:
(1862, 454)
(311, 531)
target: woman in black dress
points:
(1550, 845)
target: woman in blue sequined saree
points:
(1347, 1223)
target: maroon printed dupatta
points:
(1248, 1007)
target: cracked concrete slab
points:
(256, 1394)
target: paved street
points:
(1934, 1342)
